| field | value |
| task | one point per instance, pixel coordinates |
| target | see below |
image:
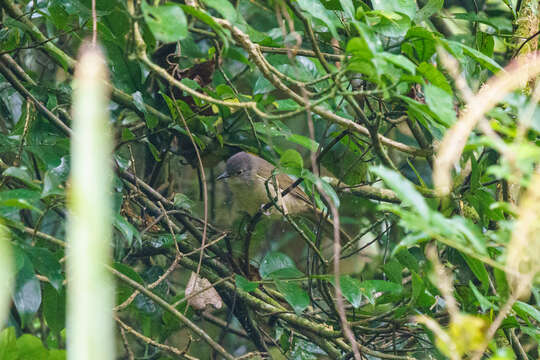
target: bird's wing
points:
(285, 181)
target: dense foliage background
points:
(373, 104)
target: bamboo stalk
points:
(90, 288)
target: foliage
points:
(357, 100)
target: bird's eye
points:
(239, 172)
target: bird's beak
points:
(223, 176)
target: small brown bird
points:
(247, 176)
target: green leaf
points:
(128, 231)
(419, 44)
(485, 43)
(244, 284)
(56, 354)
(8, 344)
(470, 232)
(54, 178)
(418, 286)
(348, 8)
(360, 48)
(30, 348)
(305, 141)
(391, 24)
(225, 9)
(370, 288)
(326, 187)
(441, 103)
(123, 291)
(22, 174)
(403, 188)
(47, 264)
(54, 307)
(314, 9)
(476, 55)
(297, 297)
(393, 270)
(530, 310)
(400, 61)
(432, 7)
(350, 288)
(479, 270)
(208, 20)
(275, 261)
(407, 7)
(407, 259)
(433, 75)
(291, 159)
(167, 22)
(21, 199)
(27, 294)
(484, 303)
(262, 86)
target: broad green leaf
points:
(287, 273)
(441, 103)
(208, 20)
(422, 113)
(400, 61)
(390, 24)
(47, 264)
(326, 187)
(54, 308)
(167, 22)
(291, 159)
(350, 289)
(123, 291)
(370, 288)
(54, 178)
(470, 232)
(297, 297)
(30, 347)
(528, 309)
(419, 44)
(275, 261)
(434, 76)
(262, 86)
(244, 284)
(27, 294)
(484, 303)
(479, 270)
(20, 198)
(8, 344)
(128, 231)
(485, 43)
(407, 7)
(22, 174)
(408, 260)
(403, 188)
(476, 55)
(225, 9)
(348, 8)
(418, 286)
(359, 47)
(431, 8)
(56, 354)
(314, 9)
(305, 141)
(393, 270)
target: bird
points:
(250, 180)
